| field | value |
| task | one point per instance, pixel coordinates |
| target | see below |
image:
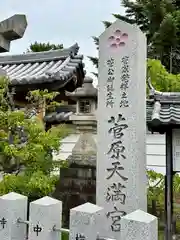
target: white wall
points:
(155, 149)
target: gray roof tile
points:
(62, 114)
(162, 113)
(42, 67)
(87, 90)
(162, 110)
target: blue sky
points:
(62, 21)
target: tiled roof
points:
(43, 67)
(62, 114)
(162, 110)
(86, 91)
(162, 113)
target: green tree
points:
(155, 191)
(41, 47)
(25, 147)
(156, 197)
(160, 21)
(161, 79)
(34, 186)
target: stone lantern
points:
(77, 183)
(86, 104)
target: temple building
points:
(53, 70)
(163, 116)
(57, 70)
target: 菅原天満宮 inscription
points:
(116, 154)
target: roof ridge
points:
(35, 56)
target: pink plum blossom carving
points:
(118, 39)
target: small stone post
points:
(12, 207)
(139, 225)
(45, 219)
(86, 222)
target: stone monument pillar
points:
(121, 124)
(77, 183)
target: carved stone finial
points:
(11, 29)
